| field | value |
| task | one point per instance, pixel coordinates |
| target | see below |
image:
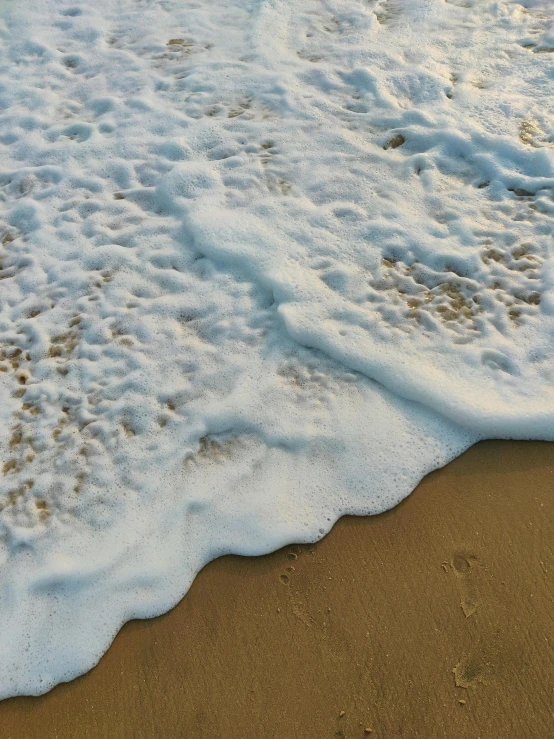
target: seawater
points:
(263, 264)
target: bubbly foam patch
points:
(262, 264)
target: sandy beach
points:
(432, 620)
(264, 264)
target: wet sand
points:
(435, 619)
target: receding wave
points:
(262, 264)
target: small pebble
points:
(342, 713)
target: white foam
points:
(222, 224)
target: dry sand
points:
(435, 619)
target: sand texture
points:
(432, 620)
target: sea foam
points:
(264, 263)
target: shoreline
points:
(429, 620)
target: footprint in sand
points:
(466, 568)
(470, 671)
